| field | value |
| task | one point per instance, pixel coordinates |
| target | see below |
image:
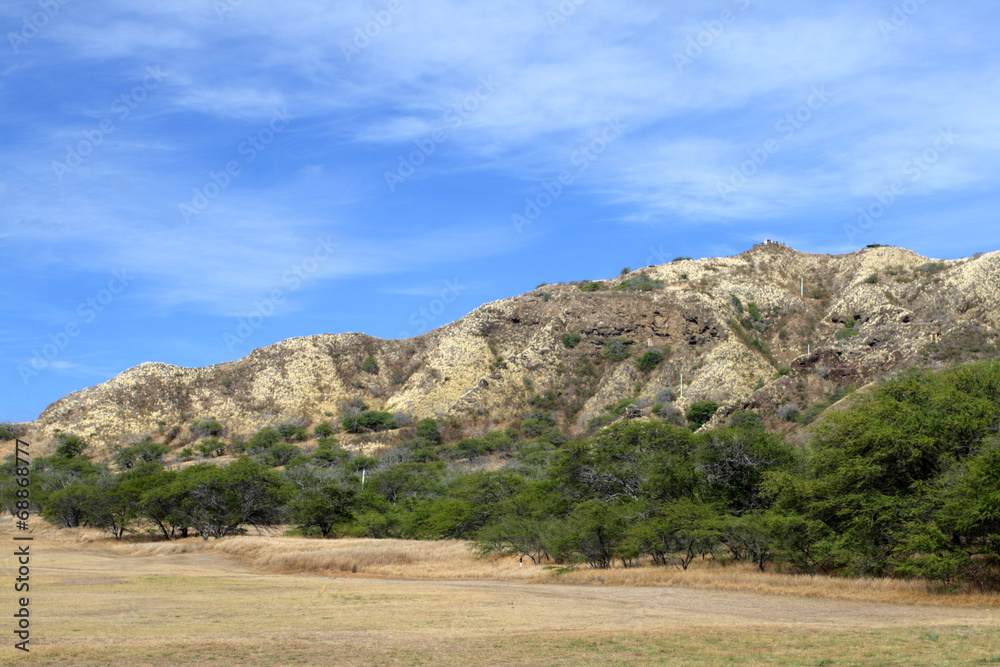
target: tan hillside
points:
(487, 369)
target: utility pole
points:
(682, 385)
(802, 287)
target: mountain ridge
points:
(730, 325)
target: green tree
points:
(147, 451)
(70, 445)
(223, 500)
(116, 500)
(571, 339)
(323, 503)
(427, 429)
(368, 421)
(209, 427)
(699, 413)
(617, 349)
(649, 360)
(324, 430)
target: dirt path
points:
(90, 605)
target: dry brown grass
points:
(97, 602)
(455, 560)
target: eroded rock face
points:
(726, 325)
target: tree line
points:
(903, 483)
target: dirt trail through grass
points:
(93, 605)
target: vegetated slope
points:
(756, 331)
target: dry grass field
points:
(278, 600)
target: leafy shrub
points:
(10, 431)
(263, 440)
(650, 360)
(211, 447)
(469, 447)
(599, 422)
(281, 454)
(547, 401)
(292, 433)
(427, 429)
(618, 409)
(680, 259)
(872, 279)
(535, 422)
(324, 430)
(70, 445)
(788, 412)
(813, 411)
(591, 286)
(369, 365)
(617, 349)
(745, 419)
(553, 436)
(532, 428)
(209, 427)
(847, 332)
(147, 451)
(782, 372)
(753, 311)
(699, 413)
(736, 303)
(627, 270)
(639, 283)
(368, 421)
(571, 339)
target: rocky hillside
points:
(756, 331)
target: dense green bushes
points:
(571, 339)
(368, 421)
(617, 349)
(649, 360)
(904, 483)
(701, 412)
(639, 283)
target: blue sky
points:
(187, 181)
